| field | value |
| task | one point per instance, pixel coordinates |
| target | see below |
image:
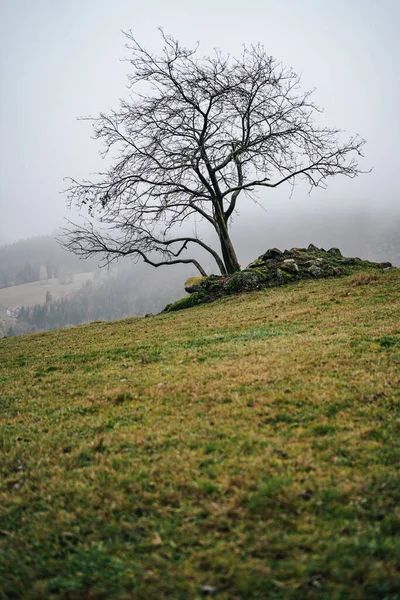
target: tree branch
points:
(196, 136)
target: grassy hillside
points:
(247, 448)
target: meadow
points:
(245, 449)
(28, 294)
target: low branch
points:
(86, 242)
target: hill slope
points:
(247, 448)
(35, 292)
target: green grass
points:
(251, 445)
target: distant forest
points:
(125, 289)
(123, 293)
(38, 258)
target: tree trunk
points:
(229, 254)
(228, 251)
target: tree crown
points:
(194, 135)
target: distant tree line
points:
(17, 275)
(37, 258)
(128, 292)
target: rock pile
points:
(274, 268)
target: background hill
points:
(45, 287)
(247, 448)
(54, 288)
(38, 258)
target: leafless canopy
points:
(196, 136)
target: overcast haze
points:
(60, 60)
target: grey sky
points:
(60, 59)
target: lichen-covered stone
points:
(193, 284)
(334, 252)
(213, 283)
(281, 276)
(315, 271)
(290, 265)
(243, 281)
(271, 254)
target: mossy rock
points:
(243, 281)
(213, 284)
(263, 274)
(193, 284)
(285, 274)
(291, 269)
(256, 263)
(335, 252)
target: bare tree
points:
(196, 136)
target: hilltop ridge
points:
(274, 268)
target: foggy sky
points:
(60, 60)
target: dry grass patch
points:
(365, 278)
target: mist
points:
(62, 61)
